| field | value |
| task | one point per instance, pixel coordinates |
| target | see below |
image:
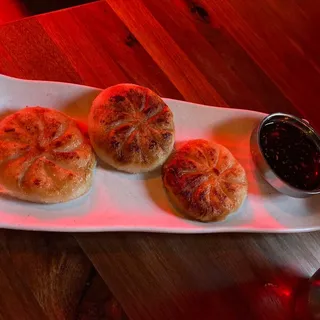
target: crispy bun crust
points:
(44, 157)
(131, 128)
(205, 181)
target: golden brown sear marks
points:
(131, 128)
(44, 156)
(205, 181)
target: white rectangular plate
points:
(124, 202)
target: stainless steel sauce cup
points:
(261, 163)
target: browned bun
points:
(205, 181)
(44, 157)
(131, 128)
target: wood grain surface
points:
(11, 10)
(260, 55)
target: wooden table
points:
(262, 55)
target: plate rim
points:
(153, 229)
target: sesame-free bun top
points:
(131, 128)
(44, 157)
(205, 181)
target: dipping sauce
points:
(292, 154)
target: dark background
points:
(42, 6)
